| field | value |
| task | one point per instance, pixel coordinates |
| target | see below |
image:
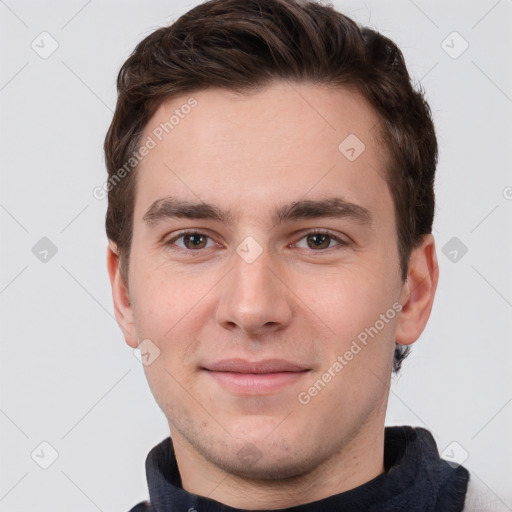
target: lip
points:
(255, 377)
(244, 366)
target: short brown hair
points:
(243, 45)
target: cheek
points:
(166, 312)
(348, 298)
(166, 299)
(171, 310)
(155, 307)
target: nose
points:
(253, 298)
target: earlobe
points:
(418, 292)
(121, 298)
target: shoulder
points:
(479, 498)
(143, 506)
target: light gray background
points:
(67, 376)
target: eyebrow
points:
(334, 207)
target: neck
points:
(360, 460)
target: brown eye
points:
(191, 241)
(318, 241)
(195, 241)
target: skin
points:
(250, 154)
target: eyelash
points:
(341, 242)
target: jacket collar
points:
(416, 479)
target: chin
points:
(261, 466)
(264, 459)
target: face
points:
(264, 273)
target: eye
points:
(319, 240)
(191, 241)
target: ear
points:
(418, 292)
(120, 295)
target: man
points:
(271, 202)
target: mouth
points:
(255, 377)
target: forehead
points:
(284, 141)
